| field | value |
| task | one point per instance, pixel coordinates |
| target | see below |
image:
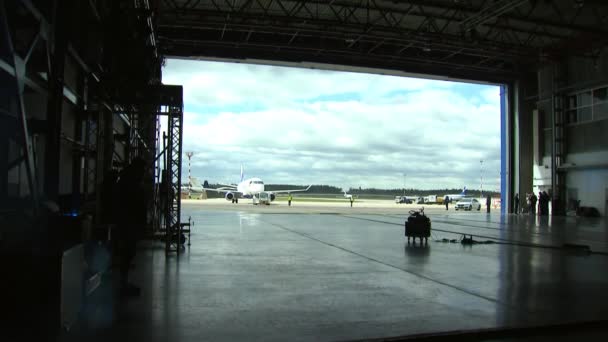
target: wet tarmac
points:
(254, 275)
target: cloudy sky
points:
(304, 126)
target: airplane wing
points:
(222, 190)
(288, 191)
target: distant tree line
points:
(371, 192)
(418, 192)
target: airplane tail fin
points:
(194, 181)
(242, 173)
(464, 190)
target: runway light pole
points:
(189, 155)
(481, 177)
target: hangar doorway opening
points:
(355, 131)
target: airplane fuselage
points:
(250, 186)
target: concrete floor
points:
(254, 275)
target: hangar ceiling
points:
(493, 40)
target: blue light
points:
(72, 213)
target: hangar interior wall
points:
(75, 110)
(581, 84)
(66, 82)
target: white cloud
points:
(345, 129)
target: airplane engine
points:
(272, 197)
(229, 196)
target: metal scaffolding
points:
(154, 104)
(173, 228)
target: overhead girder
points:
(393, 13)
(493, 10)
(410, 65)
(188, 29)
(440, 23)
(509, 36)
(383, 49)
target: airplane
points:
(249, 188)
(347, 195)
(193, 188)
(457, 197)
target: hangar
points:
(83, 94)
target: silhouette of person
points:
(545, 203)
(533, 200)
(289, 198)
(131, 218)
(516, 204)
(447, 202)
(352, 199)
(488, 203)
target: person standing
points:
(533, 200)
(488, 203)
(447, 202)
(545, 203)
(352, 199)
(516, 204)
(131, 219)
(289, 198)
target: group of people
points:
(534, 204)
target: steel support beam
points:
(495, 9)
(4, 155)
(78, 153)
(19, 87)
(57, 49)
(558, 149)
